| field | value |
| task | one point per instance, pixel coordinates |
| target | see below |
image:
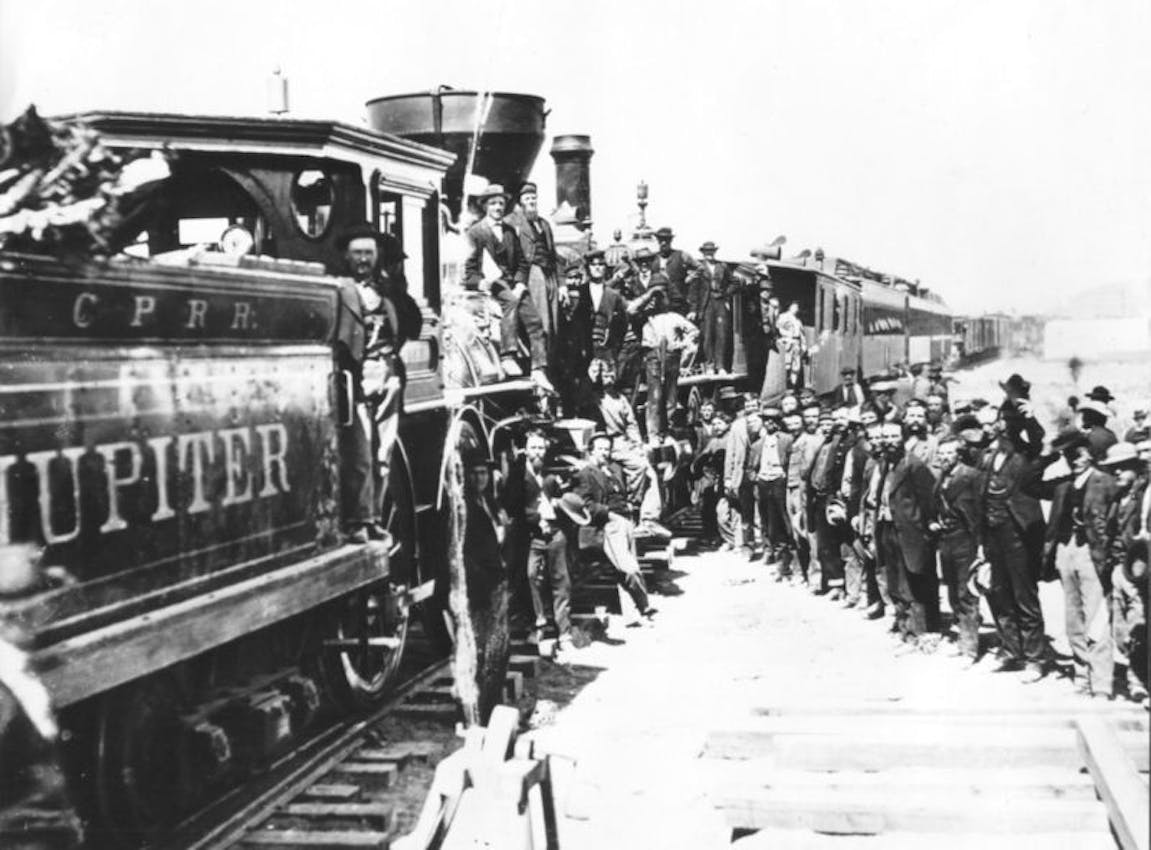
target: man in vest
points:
(539, 248)
(676, 265)
(496, 261)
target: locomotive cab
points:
(169, 445)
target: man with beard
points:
(753, 422)
(676, 265)
(827, 514)
(1124, 525)
(905, 548)
(771, 490)
(605, 497)
(1011, 533)
(803, 451)
(1077, 531)
(376, 318)
(573, 347)
(938, 419)
(866, 522)
(917, 440)
(532, 497)
(846, 505)
(956, 502)
(539, 249)
(883, 399)
(496, 261)
(618, 420)
(710, 307)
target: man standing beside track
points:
(906, 550)
(803, 451)
(826, 480)
(771, 487)
(605, 498)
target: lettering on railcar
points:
(237, 315)
(190, 473)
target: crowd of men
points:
(873, 504)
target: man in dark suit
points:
(608, 310)
(709, 304)
(1011, 531)
(496, 258)
(604, 493)
(676, 265)
(906, 549)
(539, 248)
(956, 502)
(531, 500)
(849, 393)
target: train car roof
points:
(747, 269)
(880, 293)
(249, 134)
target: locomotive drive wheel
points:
(369, 628)
(481, 639)
(143, 781)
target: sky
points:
(996, 150)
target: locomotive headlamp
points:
(236, 241)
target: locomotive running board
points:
(88, 664)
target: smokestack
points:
(572, 155)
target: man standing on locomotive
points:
(539, 248)
(496, 261)
(377, 316)
(676, 265)
(710, 306)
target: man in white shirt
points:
(663, 338)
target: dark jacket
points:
(522, 495)
(1098, 496)
(1123, 523)
(1024, 480)
(483, 558)
(911, 497)
(609, 320)
(537, 243)
(603, 492)
(506, 251)
(707, 284)
(957, 500)
(678, 266)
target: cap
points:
(528, 188)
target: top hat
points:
(528, 188)
(492, 190)
(665, 233)
(1121, 454)
(708, 247)
(572, 505)
(1101, 394)
(1016, 386)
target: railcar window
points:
(837, 316)
(313, 197)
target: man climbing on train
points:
(377, 316)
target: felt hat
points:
(594, 254)
(883, 385)
(1101, 394)
(1016, 386)
(708, 247)
(643, 254)
(572, 505)
(771, 413)
(1096, 406)
(1068, 439)
(665, 233)
(492, 190)
(1121, 454)
(529, 188)
(390, 248)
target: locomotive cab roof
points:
(294, 184)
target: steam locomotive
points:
(169, 432)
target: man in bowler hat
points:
(676, 264)
(709, 305)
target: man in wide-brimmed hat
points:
(1092, 415)
(496, 260)
(709, 305)
(676, 264)
(539, 248)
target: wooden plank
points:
(399, 753)
(332, 791)
(1048, 783)
(526, 665)
(99, 660)
(854, 813)
(1123, 791)
(429, 710)
(800, 839)
(1134, 721)
(378, 812)
(1063, 709)
(513, 686)
(334, 839)
(910, 745)
(383, 772)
